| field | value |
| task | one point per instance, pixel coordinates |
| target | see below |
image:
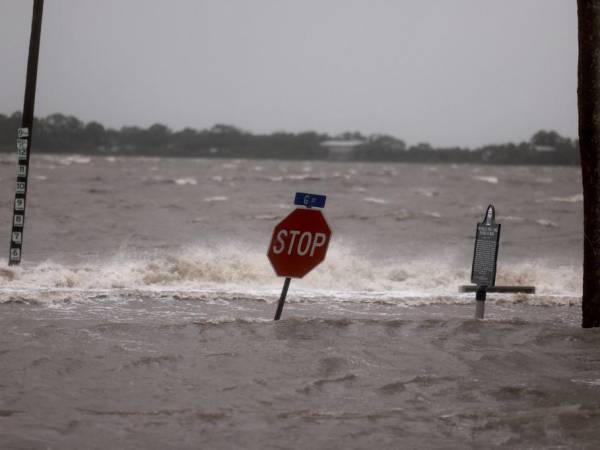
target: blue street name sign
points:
(310, 200)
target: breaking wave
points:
(240, 270)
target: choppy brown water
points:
(141, 315)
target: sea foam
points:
(237, 268)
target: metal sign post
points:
(286, 285)
(299, 242)
(24, 135)
(485, 257)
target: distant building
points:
(341, 148)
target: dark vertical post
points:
(480, 295)
(24, 136)
(588, 99)
(286, 285)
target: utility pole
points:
(24, 136)
(588, 100)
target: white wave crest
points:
(377, 201)
(576, 198)
(185, 181)
(240, 268)
(487, 179)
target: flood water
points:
(141, 316)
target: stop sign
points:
(299, 243)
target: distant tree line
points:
(58, 133)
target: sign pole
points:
(480, 302)
(286, 285)
(24, 135)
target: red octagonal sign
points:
(299, 243)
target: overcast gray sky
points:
(460, 72)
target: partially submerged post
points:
(24, 135)
(485, 256)
(282, 297)
(299, 242)
(588, 99)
